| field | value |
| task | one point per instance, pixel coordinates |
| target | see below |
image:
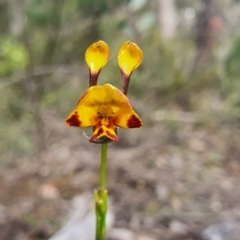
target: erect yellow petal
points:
(103, 130)
(129, 57)
(126, 118)
(96, 57)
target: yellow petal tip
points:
(96, 56)
(129, 57)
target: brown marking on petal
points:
(134, 122)
(112, 136)
(93, 78)
(110, 124)
(125, 81)
(96, 135)
(73, 120)
(100, 131)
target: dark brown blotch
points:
(134, 122)
(100, 131)
(73, 120)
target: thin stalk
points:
(101, 197)
(103, 167)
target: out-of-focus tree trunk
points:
(33, 95)
(49, 52)
(17, 18)
(56, 12)
(4, 19)
(208, 25)
(167, 18)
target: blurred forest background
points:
(178, 176)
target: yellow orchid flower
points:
(104, 108)
(96, 57)
(129, 58)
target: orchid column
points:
(105, 108)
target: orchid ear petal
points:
(96, 57)
(129, 58)
(127, 118)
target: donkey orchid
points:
(105, 107)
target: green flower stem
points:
(101, 197)
(103, 167)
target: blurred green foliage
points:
(233, 60)
(13, 57)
